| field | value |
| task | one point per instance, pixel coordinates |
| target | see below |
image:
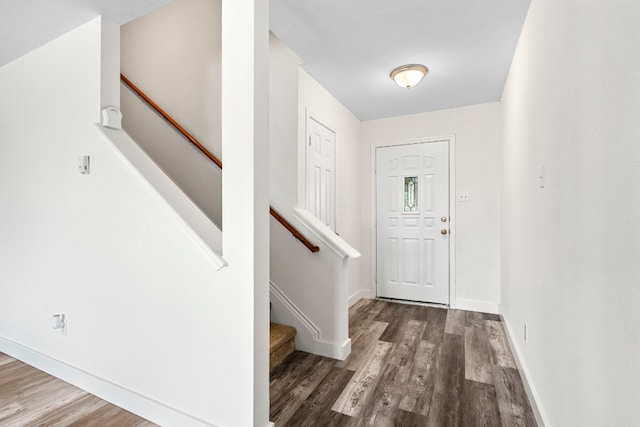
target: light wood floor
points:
(410, 366)
(29, 397)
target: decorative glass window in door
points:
(410, 194)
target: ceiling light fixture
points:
(408, 76)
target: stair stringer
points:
(201, 225)
(287, 313)
(309, 336)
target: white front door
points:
(412, 184)
(321, 161)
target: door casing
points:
(452, 211)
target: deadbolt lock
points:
(443, 219)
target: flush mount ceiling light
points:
(410, 75)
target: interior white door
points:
(412, 184)
(321, 172)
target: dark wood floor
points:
(30, 397)
(409, 366)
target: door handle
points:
(443, 231)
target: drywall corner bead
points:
(112, 117)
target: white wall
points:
(477, 130)
(173, 54)
(283, 141)
(570, 250)
(180, 43)
(310, 290)
(317, 101)
(245, 192)
(148, 315)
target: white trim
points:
(336, 243)
(319, 120)
(477, 305)
(309, 336)
(302, 319)
(360, 294)
(200, 228)
(534, 398)
(333, 350)
(125, 398)
(453, 295)
(451, 139)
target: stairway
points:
(281, 343)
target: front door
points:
(412, 183)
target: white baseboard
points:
(332, 350)
(140, 405)
(476, 305)
(362, 293)
(309, 336)
(534, 399)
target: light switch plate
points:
(83, 165)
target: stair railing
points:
(286, 224)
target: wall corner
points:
(109, 65)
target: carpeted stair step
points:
(282, 343)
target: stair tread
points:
(279, 335)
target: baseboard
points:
(476, 305)
(309, 336)
(534, 399)
(140, 405)
(332, 350)
(362, 293)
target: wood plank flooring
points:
(30, 397)
(409, 366)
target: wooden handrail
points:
(293, 230)
(171, 121)
(286, 224)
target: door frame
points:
(308, 117)
(451, 140)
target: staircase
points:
(281, 343)
(282, 337)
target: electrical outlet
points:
(526, 333)
(60, 323)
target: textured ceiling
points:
(28, 24)
(351, 46)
